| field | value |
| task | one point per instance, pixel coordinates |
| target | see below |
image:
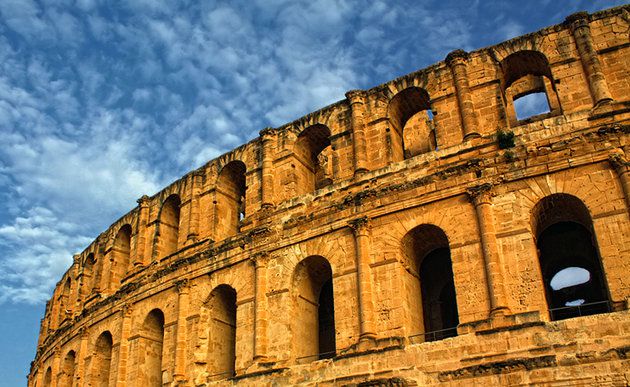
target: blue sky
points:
(104, 101)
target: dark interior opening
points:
(326, 321)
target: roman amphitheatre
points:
(418, 233)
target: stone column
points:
(183, 290)
(481, 197)
(456, 60)
(359, 144)
(123, 348)
(590, 61)
(361, 228)
(260, 261)
(266, 186)
(143, 220)
(82, 357)
(193, 209)
(55, 368)
(622, 167)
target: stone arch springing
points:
(411, 118)
(150, 349)
(222, 332)
(314, 310)
(102, 360)
(47, 378)
(427, 250)
(569, 259)
(527, 74)
(121, 252)
(168, 226)
(230, 199)
(313, 155)
(67, 370)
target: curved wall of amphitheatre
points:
(411, 234)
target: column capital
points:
(456, 57)
(182, 286)
(260, 259)
(126, 310)
(577, 20)
(267, 133)
(480, 194)
(360, 226)
(619, 162)
(356, 96)
(143, 201)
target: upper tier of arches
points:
(468, 95)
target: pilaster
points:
(183, 291)
(266, 136)
(361, 230)
(456, 60)
(359, 143)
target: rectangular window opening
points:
(531, 105)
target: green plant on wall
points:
(505, 138)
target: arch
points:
(67, 370)
(567, 246)
(314, 310)
(102, 359)
(47, 377)
(168, 227)
(150, 346)
(410, 114)
(64, 302)
(89, 277)
(230, 199)
(312, 152)
(427, 250)
(222, 346)
(121, 252)
(526, 73)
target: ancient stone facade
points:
(416, 233)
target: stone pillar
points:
(143, 221)
(183, 290)
(481, 196)
(266, 186)
(82, 357)
(361, 228)
(55, 368)
(123, 348)
(193, 208)
(359, 144)
(590, 61)
(456, 60)
(622, 167)
(260, 261)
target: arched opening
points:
(121, 254)
(102, 359)
(150, 349)
(67, 370)
(314, 318)
(230, 202)
(47, 377)
(222, 348)
(411, 118)
(89, 278)
(65, 307)
(168, 232)
(427, 250)
(528, 87)
(313, 159)
(569, 260)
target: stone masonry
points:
(416, 233)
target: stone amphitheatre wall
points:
(406, 235)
